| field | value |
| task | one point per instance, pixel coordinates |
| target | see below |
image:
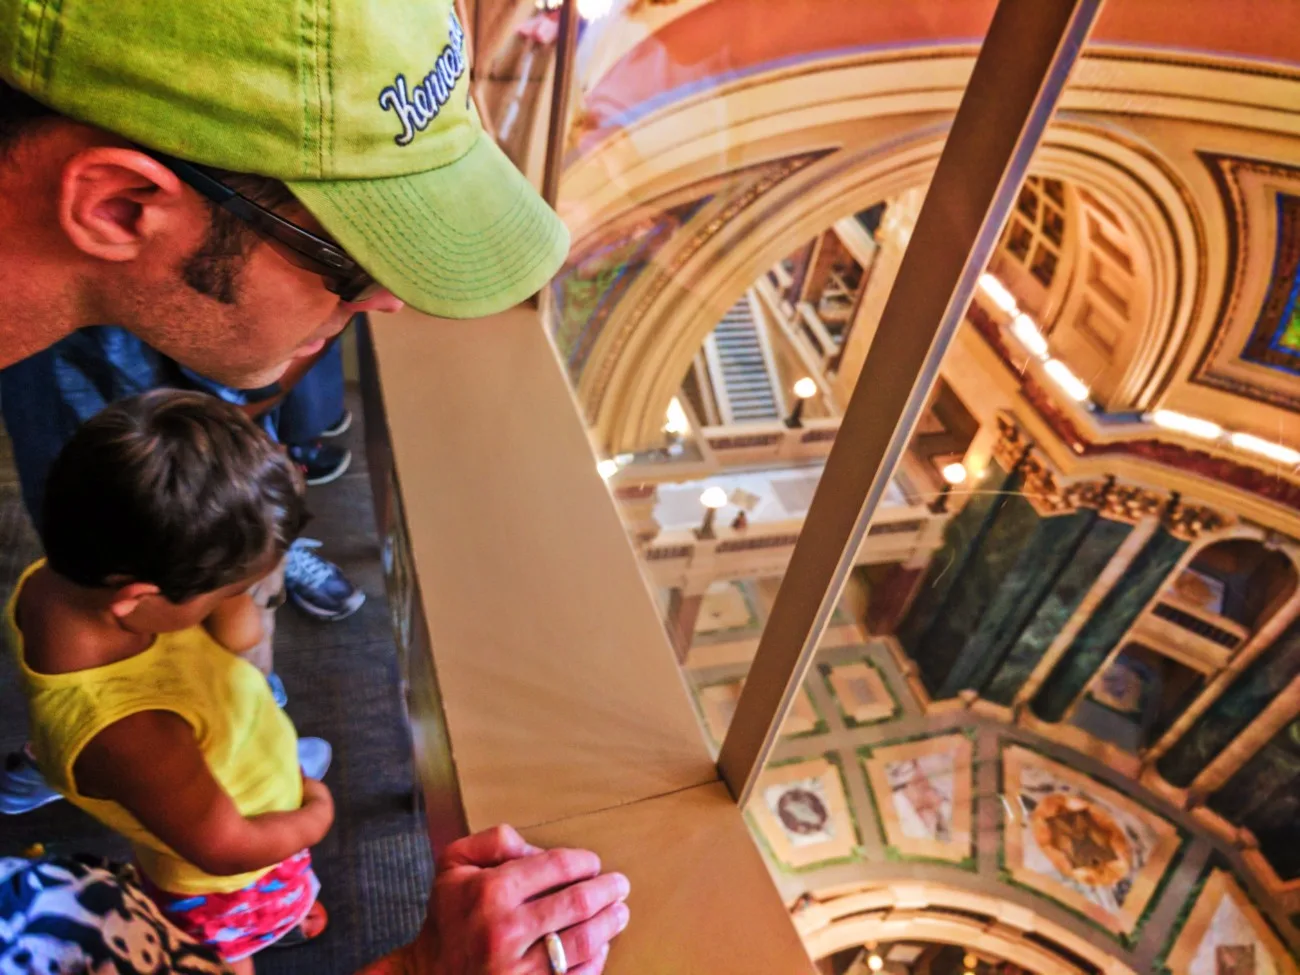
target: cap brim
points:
(468, 239)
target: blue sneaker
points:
(320, 462)
(314, 755)
(340, 426)
(22, 787)
(278, 693)
(317, 587)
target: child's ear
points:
(128, 597)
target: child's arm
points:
(150, 763)
(236, 623)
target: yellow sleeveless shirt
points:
(249, 744)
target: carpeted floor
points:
(342, 680)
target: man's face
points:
(269, 313)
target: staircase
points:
(741, 367)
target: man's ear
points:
(127, 598)
(114, 201)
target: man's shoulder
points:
(104, 359)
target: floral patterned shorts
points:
(243, 922)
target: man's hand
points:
(495, 897)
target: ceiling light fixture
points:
(1025, 329)
(875, 962)
(1074, 387)
(998, 293)
(1193, 426)
(1266, 448)
(714, 498)
(954, 473)
(607, 469)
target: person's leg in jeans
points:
(313, 410)
(317, 586)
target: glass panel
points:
(712, 319)
(1076, 601)
(1080, 664)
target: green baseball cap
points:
(361, 106)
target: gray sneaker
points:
(22, 787)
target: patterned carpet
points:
(342, 680)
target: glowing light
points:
(969, 960)
(805, 388)
(675, 419)
(607, 468)
(875, 962)
(998, 293)
(1074, 387)
(1193, 426)
(1025, 329)
(714, 497)
(594, 9)
(1266, 448)
(954, 473)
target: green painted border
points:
(821, 727)
(1216, 862)
(892, 853)
(824, 669)
(754, 627)
(858, 854)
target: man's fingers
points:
(563, 909)
(514, 883)
(586, 945)
(489, 848)
(593, 967)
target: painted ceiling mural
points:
(1255, 349)
(871, 773)
(1275, 340)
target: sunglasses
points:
(342, 275)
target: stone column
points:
(1279, 713)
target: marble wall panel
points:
(1107, 626)
(1235, 708)
(1047, 552)
(1094, 552)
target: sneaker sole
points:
(333, 475)
(317, 613)
(9, 808)
(344, 426)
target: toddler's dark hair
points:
(178, 489)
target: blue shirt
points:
(45, 397)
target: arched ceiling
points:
(727, 40)
(750, 147)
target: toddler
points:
(160, 513)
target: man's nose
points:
(383, 301)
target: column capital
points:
(1190, 521)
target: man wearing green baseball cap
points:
(353, 119)
(231, 181)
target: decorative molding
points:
(1189, 522)
(1130, 504)
(770, 175)
(1260, 347)
(1011, 445)
(1266, 484)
